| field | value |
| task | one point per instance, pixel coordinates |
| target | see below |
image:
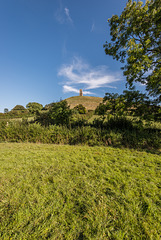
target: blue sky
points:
(49, 49)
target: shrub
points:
(59, 114)
(119, 123)
(80, 108)
(19, 108)
(114, 132)
(33, 107)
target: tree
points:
(130, 103)
(19, 108)
(60, 113)
(138, 104)
(113, 105)
(80, 108)
(101, 109)
(33, 107)
(136, 41)
(6, 110)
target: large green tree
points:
(59, 113)
(130, 103)
(136, 41)
(33, 107)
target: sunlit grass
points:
(90, 103)
(75, 192)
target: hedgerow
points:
(109, 133)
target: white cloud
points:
(67, 88)
(66, 10)
(62, 15)
(87, 92)
(80, 73)
(92, 27)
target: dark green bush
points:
(119, 133)
(119, 123)
(33, 107)
(80, 108)
(59, 114)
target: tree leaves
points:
(136, 41)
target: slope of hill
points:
(90, 103)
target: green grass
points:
(78, 192)
(19, 119)
(90, 103)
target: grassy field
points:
(78, 192)
(18, 119)
(90, 103)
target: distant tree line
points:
(19, 110)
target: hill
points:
(90, 103)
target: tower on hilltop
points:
(80, 92)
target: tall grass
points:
(66, 192)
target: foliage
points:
(80, 108)
(6, 110)
(130, 103)
(118, 132)
(33, 107)
(19, 108)
(115, 104)
(65, 192)
(101, 109)
(15, 115)
(78, 120)
(48, 106)
(59, 125)
(42, 118)
(59, 114)
(138, 104)
(135, 38)
(17, 112)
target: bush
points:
(119, 123)
(114, 133)
(33, 107)
(80, 108)
(18, 110)
(59, 114)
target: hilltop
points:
(90, 103)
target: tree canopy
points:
(80, 108)
(130, 103)
(19, 108)
(33, 107)
(136, 41)
(6, 110)
(59, 113)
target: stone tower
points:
(80, 92)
